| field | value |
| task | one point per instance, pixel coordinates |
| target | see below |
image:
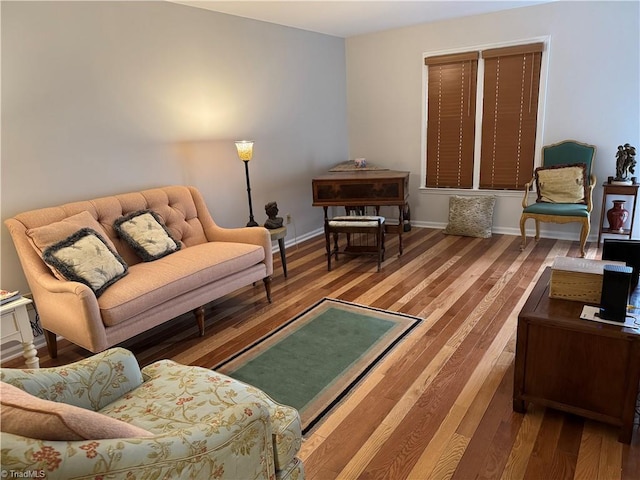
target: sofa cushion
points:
(150, 284)
(147, 234)
(43, 237)
(29, 416)
(85, 257)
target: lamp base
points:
(252, 223)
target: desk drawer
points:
(9, 324)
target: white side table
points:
(16, 326)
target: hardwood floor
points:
(439, 405)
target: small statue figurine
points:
(272, 222)
(625, 161)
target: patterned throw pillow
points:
(43, 237)
(29, 416)
(85, 257)
(470, 216)
(562, 183)
(147, 234)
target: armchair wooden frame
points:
(565, 152)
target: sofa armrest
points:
(253, 235)
(66, 308)
(69, 309)
(91, 383)
(527, 188)
(215, 233)
(593, 180)
(233, 450)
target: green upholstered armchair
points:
(569, 196)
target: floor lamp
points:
(245, 152)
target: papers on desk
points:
(7, 296)
(592, 313)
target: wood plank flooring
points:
(439, 405)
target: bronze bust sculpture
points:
(273, 221)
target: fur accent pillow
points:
(562, 183)
(86, 258)
(43, 237)
(147, 234)
(471, 216)
(29, 416)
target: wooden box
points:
(578, 279)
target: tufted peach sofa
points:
(212, 262)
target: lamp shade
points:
(245, 149)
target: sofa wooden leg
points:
(267, 287)
(52, 343)
(199, 313)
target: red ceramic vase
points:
(617, 215)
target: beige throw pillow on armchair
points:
(562, 183)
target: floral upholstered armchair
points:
(104, 418)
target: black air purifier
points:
(623, 250)
(616, 285)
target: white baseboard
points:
(555, 234)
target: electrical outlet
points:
(288, 218)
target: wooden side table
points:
(279, 234)
(16, 326)
(630, 190)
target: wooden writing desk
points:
(375, 188)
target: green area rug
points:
(316, 358)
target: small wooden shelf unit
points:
(630, 190)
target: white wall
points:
(593, 92)
(109, 97)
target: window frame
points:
(542, 96)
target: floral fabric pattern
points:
(91, 383)
(205, 425)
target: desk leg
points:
(602, 210)
(283, 256)
(31, 355)
(24, 325)
(400, 228)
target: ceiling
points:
(355, 17)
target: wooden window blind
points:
(451, 113)
(509, 115)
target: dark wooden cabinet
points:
(579, 366)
